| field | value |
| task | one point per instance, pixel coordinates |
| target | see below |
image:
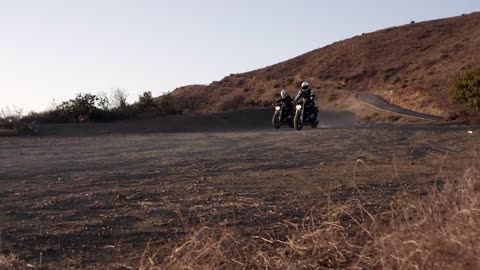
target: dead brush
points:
(331, 241)
(206, 248)
(439, 230)
(11, 263)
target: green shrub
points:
(465, 89)
(146, 102)
(82, 105)
(166, 104)
(99, 108)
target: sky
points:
(52, 49)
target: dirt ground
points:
(98, 198)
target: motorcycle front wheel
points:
(276, 121)
(297, 121)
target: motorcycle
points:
(282, 116)
(305, 113)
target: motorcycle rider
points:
(286, 100)
(308, 96)
(287, 108)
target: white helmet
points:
(284, 93)
(305, 85)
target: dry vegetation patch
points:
(438, 229)
(11, 263)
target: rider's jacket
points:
(308, 97)
(287, 102)
(305, 94)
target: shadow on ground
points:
(249, 119)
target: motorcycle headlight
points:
(277, 108)
(299, 107)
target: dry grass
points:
(11, 263)
(439, 230)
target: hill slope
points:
(409, 66)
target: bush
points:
(100, 108)
(103, 101)
(81, 106)
(127, 112)
(86, 107)
(100, 115)
(119, 98)
(166, 104)
(465, 89)
(146, 102)
(9, 118)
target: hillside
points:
(409, 66)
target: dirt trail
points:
(96, 201)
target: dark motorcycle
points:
(306, 113)
(282, 116)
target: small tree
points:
(9, 118)
(166, 104)
(103, 101)
(83, 105)
(465, 89)
(9, 113)
(146, 101)
(119, 98)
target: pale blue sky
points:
(52, 49)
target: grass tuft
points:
(11, 263)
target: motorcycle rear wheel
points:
(314, 124)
